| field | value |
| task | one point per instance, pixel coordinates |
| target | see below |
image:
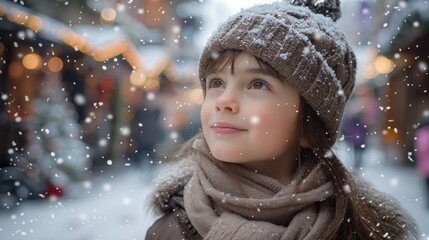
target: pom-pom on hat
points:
(298, 39)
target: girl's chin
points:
(228, 159)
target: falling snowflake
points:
(102, 142)
(80, 99)
(422, 66)
(347, 188)
(125, 131)
(255, 120)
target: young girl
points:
(276, 78)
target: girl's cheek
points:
(260, 123)
(204, 114)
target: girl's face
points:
(248, 115)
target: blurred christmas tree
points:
(54, 137)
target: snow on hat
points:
(300, 41)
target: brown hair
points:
(353, 218)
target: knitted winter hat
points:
(298, 39)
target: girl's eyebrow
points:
(251, 70)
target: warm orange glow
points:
(32, 61)
(74, 40)
(55, 64)
(152, 84)
(77, 41)
(87, 48)
(13, 15)
(132, 57)
(383, 65)
(111, 50)
(138, 77)
(63, 34)
(369, 72)
(194, 96)
(15, 69)
(17, 16)
(35, 23)
(2, 10)
(160, 66)
(108, 14)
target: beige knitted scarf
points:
(248, 205)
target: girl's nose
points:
(227, 102)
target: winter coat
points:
(422, 150)
(175, 224)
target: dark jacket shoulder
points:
(175, 224)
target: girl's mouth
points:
(226, 128)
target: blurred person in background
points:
(147, 129)
(422, 152)
(359, 119)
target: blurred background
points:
(95, 97)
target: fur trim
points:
(170, 181)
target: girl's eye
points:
(259, 84)
(215, 83)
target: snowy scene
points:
(97, 99)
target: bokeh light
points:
(32, 61)
(55, 64)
